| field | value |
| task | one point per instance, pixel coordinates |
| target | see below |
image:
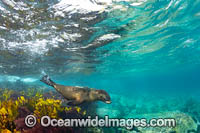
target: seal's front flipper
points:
(46, 79)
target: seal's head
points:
(103, 96)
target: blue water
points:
(146, 50)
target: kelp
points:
(9, 112)
(15, 106)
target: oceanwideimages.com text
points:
(129, 123)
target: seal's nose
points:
(108, 102)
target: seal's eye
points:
(102, 96)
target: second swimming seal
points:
(78, 95)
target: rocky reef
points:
(184, 111)
(15, 106)
(184, 123)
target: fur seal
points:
(78, 95)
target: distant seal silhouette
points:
(78, 95)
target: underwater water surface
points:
(144, 53)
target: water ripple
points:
(97, 36)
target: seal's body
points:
(76, 94)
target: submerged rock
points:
(112, 113)
(184, 123)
